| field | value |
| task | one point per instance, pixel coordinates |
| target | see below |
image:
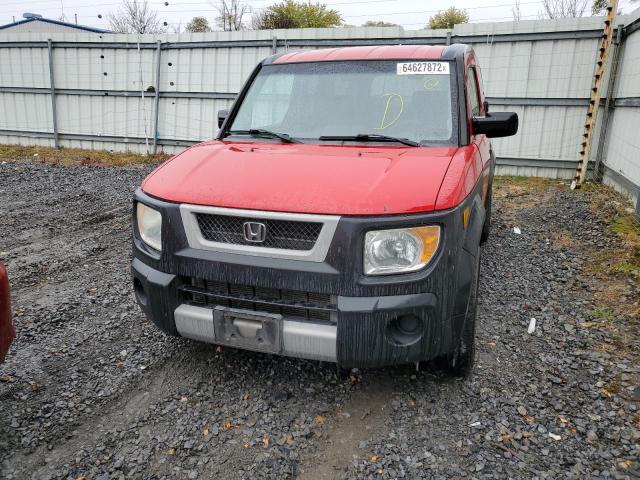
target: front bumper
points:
(365, 309)
(357, 338)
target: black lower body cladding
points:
(365, 321)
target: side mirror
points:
(222, 116)
(497, 124)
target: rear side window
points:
(472, 91)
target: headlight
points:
(399, 250)
(149, 225)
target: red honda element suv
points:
(337, 216)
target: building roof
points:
(380, 52)
(53, 22)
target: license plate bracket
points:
(240, 328)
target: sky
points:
(410, 14)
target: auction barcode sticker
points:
(423, 68)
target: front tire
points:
(460, 362)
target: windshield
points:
(307, 101)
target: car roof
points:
(376, 52)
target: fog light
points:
(405, 330)
(409, 324)
(141, 295)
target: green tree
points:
(378, 23)
(448, 18)
(292, 14)
(198, 24)
(599, 6)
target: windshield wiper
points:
(370, 137)
(256, 132)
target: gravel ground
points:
(91, 390)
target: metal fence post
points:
(156, 99)
(274, 45)
(606, 115)
(52, 84)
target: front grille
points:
(289, 303)
(285, 234)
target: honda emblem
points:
(254, 232)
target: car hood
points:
(304, 178)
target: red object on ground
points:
(7, 332)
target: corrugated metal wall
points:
(541, 70)
(106, 84)
(622, 148)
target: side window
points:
(270, 102)
(472, 91)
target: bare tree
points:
(515, 10)
(63, 17)
(230, 13)
(564, 8)
(135, 16)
